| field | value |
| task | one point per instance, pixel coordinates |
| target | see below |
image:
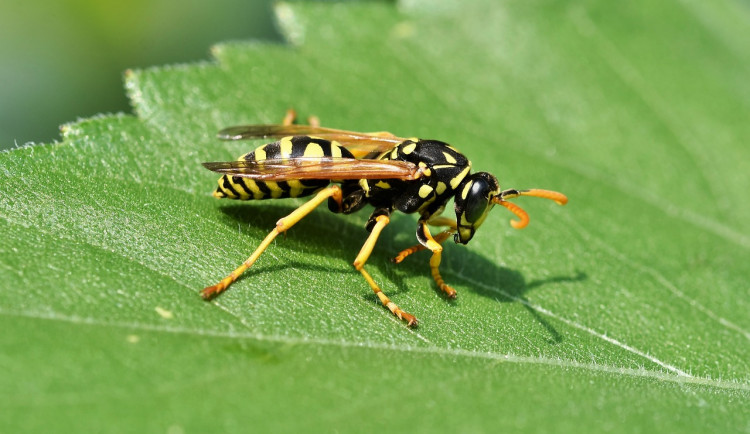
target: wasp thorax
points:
(473, 201)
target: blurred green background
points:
(61, 60)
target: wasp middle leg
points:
(359, 263)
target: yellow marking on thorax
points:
(425, 191)
(457, 180)
(449, 158)
(365, 186)
(382, 184)
(408, 149)
(440, 187)
(465, 191)
(425, 170)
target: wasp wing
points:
(361, 145)
(339, 169)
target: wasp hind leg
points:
(291, 116)
(284, 223)
(359, 263)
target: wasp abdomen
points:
(242, 188)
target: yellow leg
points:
(291, 116)
(359, 264)
(282, 225)
(437, 251)
(440, 238)
(442, 221)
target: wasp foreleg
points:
(427, 240)
(439, 238)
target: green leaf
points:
(627, 310)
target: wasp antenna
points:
(523, 217)
(559, 198)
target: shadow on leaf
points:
(324, 234)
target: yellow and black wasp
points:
(351, 170)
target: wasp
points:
(350, 170)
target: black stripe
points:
(273, 150)
(238, 180)
(299, 144)
(284, 186)
(227, 186)
(263, 188)
(326, 148)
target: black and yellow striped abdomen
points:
(237, 187)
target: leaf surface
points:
(625, 310)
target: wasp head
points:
(479, 192)
(473, 201)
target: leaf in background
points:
(625, 310)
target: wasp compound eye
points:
(477, 200)
(473, 201)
